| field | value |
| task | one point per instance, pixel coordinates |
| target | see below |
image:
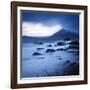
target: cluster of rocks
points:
(71, 68)
(71, 45)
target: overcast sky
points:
(36, 23)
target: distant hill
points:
(60, 35)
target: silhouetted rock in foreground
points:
(36, 53)
(72, 69)
(50, 50)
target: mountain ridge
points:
(60, 35)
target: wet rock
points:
(72, 69)
(74, 43)
(67, 62)
(35, 42)
(59, 58)
(60, 43)
(36, 54)
(40, 48)
(49, 45)
(40, 43)
(73, 47)
(50, 50)
(61, 49)
(55, 45)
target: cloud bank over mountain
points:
(39, 29)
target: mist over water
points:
(49, 59)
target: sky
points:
(41, 24)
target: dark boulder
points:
(40, 43)
(36, 53)
(59, 58)
(60, 43)
(55, 45)
(74, 43)
(49, 45)
(73, 47)
(35, 42)
(50, 50)
(61, 49)
(40, 48)
(67, 62)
